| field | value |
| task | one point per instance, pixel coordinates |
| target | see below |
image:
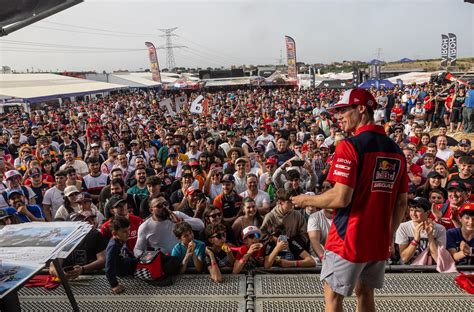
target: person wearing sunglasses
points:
(157, 231)
(251, 254)
(218, 253)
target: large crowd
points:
(214, 189)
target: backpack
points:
(157, 268)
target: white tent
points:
(134, 80)
(41, 87)
(341, 76)
(413, 77)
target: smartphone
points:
(297, 163)
(283, 238)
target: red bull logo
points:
(386, 165)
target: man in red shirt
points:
(370, 199)
(118, 207)
(447, 214)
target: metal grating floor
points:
(185, 285)
(168, 305)
(382, 305)
(308, 285)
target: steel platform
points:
(262, 292)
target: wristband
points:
(243, 261)
(213, 264)
(298, 264)
(414, 243)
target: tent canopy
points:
(41, 87)
(414, 77)
(405, 60)
(375, 62)
(134, 80)
(376, 83)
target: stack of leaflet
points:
(26, 248)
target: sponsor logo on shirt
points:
(344, 161)
(343, 167)
(341, 174)
(386, 170)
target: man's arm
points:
(338, 197)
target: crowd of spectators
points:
(214, 189)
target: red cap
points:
(356, 96)
(466, 207)
(271, 161)
(92, 120)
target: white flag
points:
(167, 103)
(179, 102)
(196, 106)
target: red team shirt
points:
(375, 167)
(134, 225)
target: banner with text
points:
(291, 57)
(154, 66)
(444, 50)
(453, 49)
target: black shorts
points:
(455, 115)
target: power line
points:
(207, 48)
(98, 29)
(87, 32)
(53, 45)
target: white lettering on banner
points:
(344, 161)
(196, 106)
(341, 174)
(343, 167)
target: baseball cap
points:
(193, 163)
(191, 190)
(231, 134)
(250, 230)
(355, 96)
(420, 202)
(216, 167)
(133, 142)
(13, 192)
(434, 174)
(34, 172)
(71, 189)
(324, 145)
(210, 139)
(11, 173)
(241, 159)
(228, 178)
(93, 145)
(467, 207)
(271, 161)
(92, 120)
(187, 173)
(460, 186)
(114, 201)
(464, 142)
(320, 137)
(6, 212)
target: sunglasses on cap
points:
(254, 235)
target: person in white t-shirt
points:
(261, 198)
(443, 151)
(318, 229)
(420, 233)
(54, 197)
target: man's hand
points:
(254, 247)
(465, 248)
(209, 252)
(436, 212)
(201, 204)
(118, 289)
(23, 210)
(429, 228)
(174, 218)
(281, 245)
(417, 231)
(191, 247)
(74, 273)
(300, 200)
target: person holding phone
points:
(286, 252)
(460, 241)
